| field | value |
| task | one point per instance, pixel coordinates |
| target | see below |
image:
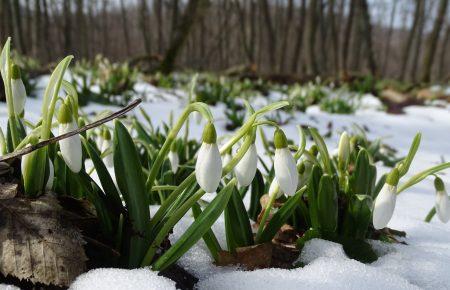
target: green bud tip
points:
(393, 177)
(64, 114)
(228, 151)
(173, 147)
(81, 122)
(15, 72)
(106, 134)
(314, 150)
(279, 139)
(209, 134)
(301, 168)
(439, 184)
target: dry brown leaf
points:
(252, 257)
(37, 243)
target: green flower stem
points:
(200, 107)
(164, 187)
(422, 175)
(264, 217)
(430, 215)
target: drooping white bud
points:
(385, 201)
(208, 168)
(284, 164)
(245, 170)
(442, 201)
(274, 189)
(70, 147)
(343, 151)
(18, 90)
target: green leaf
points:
(281, 216)
(34, 174)
(313, 191)
(201, 226)
(322, 150)
(358, 216)
(257, 191)
(130, 180)
(105, 178)
(308, 235)
(237, 223)
(209, 238)
(327, 205)
(364, 175)
(357, 249)
(422, 175)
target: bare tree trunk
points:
(347, 35)
(311, 38)
(322, 21)
(418, 43)
(271, 41)
(126, 35)
(356, 41)
(81, 28)
(28, 21)
(252, 28)
(37, 32)
(334, 37)
(286, 34)
(158, 7)
(366, 31)
(443, 54)
(408, 44)
(299, 38)
(194, 11)
(432, 41)
(387, 45)
(242, 31)
(143, 18)
(67, 27)
(45, 30)
(17, 16)
(175, 14)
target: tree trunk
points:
(37, 32)
(418, 43)
(286, 34)
(311, 38)
(271, 41)
(322, 21)
(347, 35)
(242, 30)
(432, 41)
(193, 12)
(143, 18)
(299, 38)
(158, 7)
(443, 54)
(46, 29)
(334, 37)
(387, 45)
(126, 35)
(408, 44)
(17, 16)
(366, 31)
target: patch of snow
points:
(121, 279)
(8, 287)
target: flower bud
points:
(18, 90)
(245, 170)
(385, 201)
(284, 164)
(442, 203)
(208, 169)
(70, 147)
(274, 189)
(107, 144)
(173, 158)
(343, 151)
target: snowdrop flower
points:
(107, 144)
(385, 201)
(173, 158)
(51, 175)
(245, 170)
(18, 90)
(227, 157)
(274, 189)
(208, 169)
(442, 203)
(284, 164)
(343, 151)
(70, 147)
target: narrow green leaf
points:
(406, 163)
(201, 225)
(322, 150)
(327, 205)
(209, 238)
(257, 190)
(130, 180)
(422, 175)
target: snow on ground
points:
(422, 264)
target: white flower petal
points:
(275, 189)
(174, 161)
(286, 171)
(384, 206)
(19, 95)
(208, 169)
(51, 176)
(442, 206)
(71, 147)
(245, 170)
